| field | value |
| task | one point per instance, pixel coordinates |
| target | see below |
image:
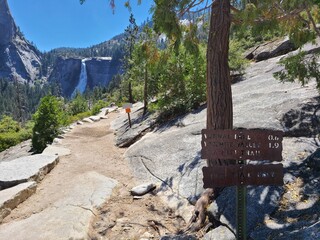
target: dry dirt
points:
(121, 217)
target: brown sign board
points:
(242, 144)
(237, 175)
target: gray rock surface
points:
(68, 218)
(141, 124)
(95, 118)
(7, 26)
(21, 150)
(261, 201)
(25, 169)
(100, 71)
(19, 60)
(142, 189)
(300, 230)
(220, 233)
(66, 71)
(56, 151)
(179, 237)
(87, 120)
(10, 198)
(270, 49)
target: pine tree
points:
(47, 121)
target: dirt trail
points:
(121, 217)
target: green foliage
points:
(47, 121)
(79, 116)
(237, 62)
(11, 133)
(98, 106)
(20, 100)
(78, 105)
(7, 124)
(300, 67)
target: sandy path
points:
(92, 149)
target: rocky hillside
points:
(19, 60)
(170, 156)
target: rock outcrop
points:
(100, 71)
(66, 73)
(19, 60)
(270, 50)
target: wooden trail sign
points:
(127, 107)
(237, 175)
(242, 144)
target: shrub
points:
(47, 121)
(97, 107)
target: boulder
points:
(10, 198)
(25, 169)
(20, 150)
(270, 50)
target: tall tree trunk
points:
(219, 96)
(145, 91)
(131, 100)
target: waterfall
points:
(82, 84)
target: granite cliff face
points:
(66, 72)
(100, 71)
(19, 60)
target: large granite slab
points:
(25, 169)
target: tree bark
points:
(145, 91)
(130, 92)
(219, 95)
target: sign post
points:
(242, 145)
(127, 107)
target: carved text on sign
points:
(242, 144)
(219, 176)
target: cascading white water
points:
(82, 84)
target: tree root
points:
(199, 215)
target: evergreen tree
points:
(130, 39)
(47, 121)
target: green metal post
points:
(241, 207)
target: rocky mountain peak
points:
(19, 60)
(8, 27)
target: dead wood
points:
(199, 215)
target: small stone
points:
(142, 189)
(79, 123)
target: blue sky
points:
(66, 23)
